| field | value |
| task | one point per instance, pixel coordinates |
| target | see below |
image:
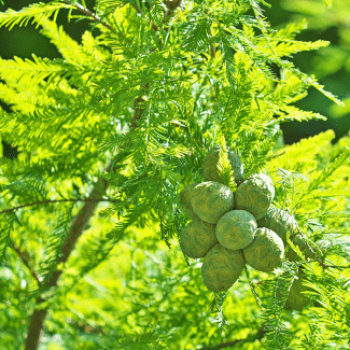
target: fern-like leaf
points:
(53, 248)
(10, 18)
(6, 226)
(29, 189)
(277, 335)
(34, 72)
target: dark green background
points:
(23, 42)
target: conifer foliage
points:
(109, 134)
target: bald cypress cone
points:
(255, 195)
(221, 268)
(236, 229)
(266, 251)
(299, 242)
(197, 238)
(279, 221)
(210, 200)
(296, 299)
(185, 200)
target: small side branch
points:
(251, 338)
(329, 266)
(25, 259)
(88, 13)
(255, 294)
(337, 267)
(58, 201)
(171, 5)
(137, 8)
(212, 46)
(310, 249)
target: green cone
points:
(221, 268)
(197, 238)
(255, 195)
(185, 200)
(279, 221)
(266, 251)
(236, 229)
(211, 200)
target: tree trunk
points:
(35, 327)
(78, 225)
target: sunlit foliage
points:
(150, 95)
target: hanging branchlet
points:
(215, 307)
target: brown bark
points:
(251, 338)
(79, 223)
(25, 259)
(35, 327)
(88, 13)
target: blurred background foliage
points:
(331, 65)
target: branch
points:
(310, 249)
(171, 5)
(154, 26)
(337, 267)
(225, 345)
(35, 328)
(25, 259)
(260, 334)
(138, 109)
(80, 221)
(57, 201)
(330, 266)
(212, 46)
(88, 13)
(255, 294)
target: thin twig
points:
(58, 201)
(310, 249)
(250, 338)
(171, 5)
(154, 26)
(25, 259)
(212, 47)
(330, 266)
(255, 294)
(87, 12)
(337, 267)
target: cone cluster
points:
(230, 229)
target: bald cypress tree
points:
(108, 135)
